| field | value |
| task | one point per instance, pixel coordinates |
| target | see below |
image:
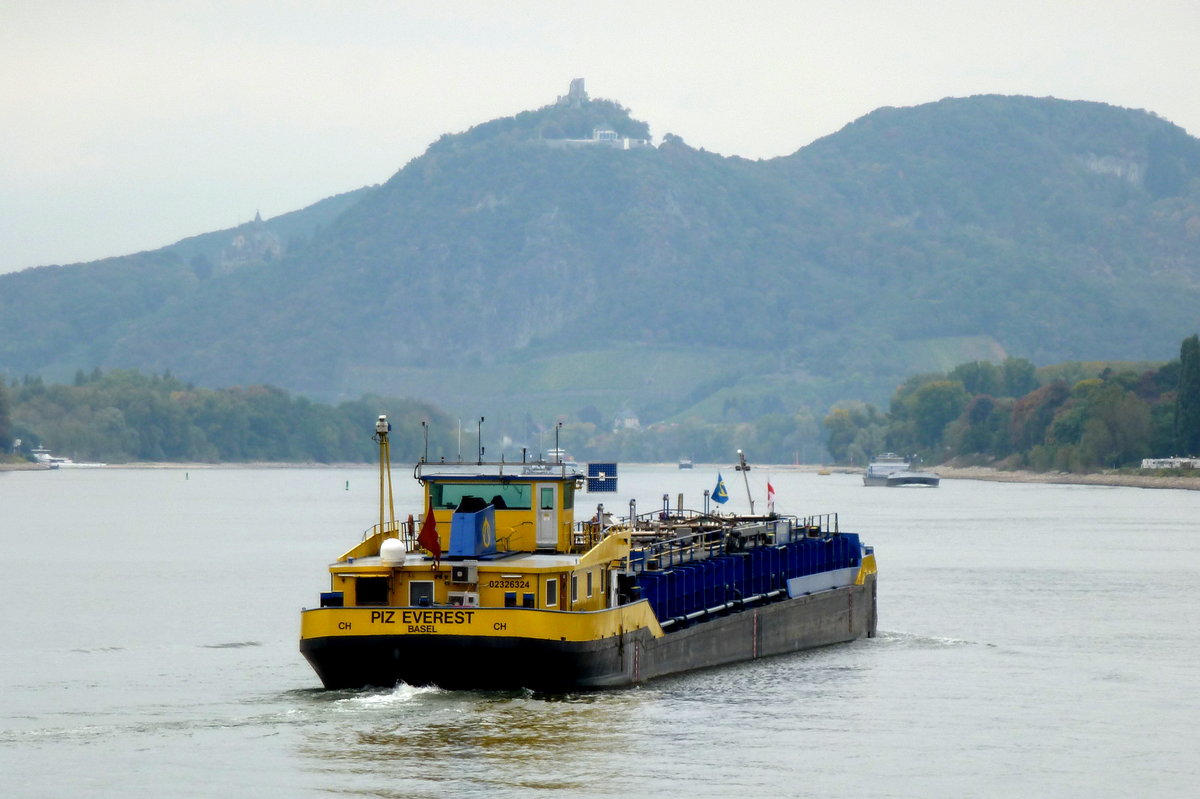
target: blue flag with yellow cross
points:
(719, 494)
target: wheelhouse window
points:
(502, 496)
(552, 592)
(546, 502)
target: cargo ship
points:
(498, 586)
(883, 466)
(896, 471)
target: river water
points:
(1034, 640)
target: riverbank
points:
(946, 472)
(1069, 478)
(27, 466)
(1021, 476)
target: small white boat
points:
(43, 455)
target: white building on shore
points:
(1171, 463)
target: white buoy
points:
(392, 551)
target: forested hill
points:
(510, 268)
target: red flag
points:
(428, 536)
(770, 497)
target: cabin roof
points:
(539, 472)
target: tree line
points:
(1070, 417)
(1016, 416)
(124, 415)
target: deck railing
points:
(723, 536)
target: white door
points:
(547, 516)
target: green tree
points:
(855, 431)
(1033, 414)
(1187, 400)
(983, 428)
(1020, 377)
(841, 430)
(1162, 428)
(902, 435)
(1116, 429)
(5, 420)
(934, 406)
(980, 377)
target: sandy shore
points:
(36, 467)
(1098, 478)
(1018, 476)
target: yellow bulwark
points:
(481, 622)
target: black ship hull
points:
(500, 663)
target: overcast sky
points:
(126, 126)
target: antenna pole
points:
(743, 467)
(382, 428)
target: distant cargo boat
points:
(882, 466)
(499, 587)
(890, 469)
(559, 456)
(685, 463)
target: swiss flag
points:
(428, 537)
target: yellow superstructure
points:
(528, 552)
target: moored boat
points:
(498, 586)
(43, 456)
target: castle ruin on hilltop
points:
(577, 97)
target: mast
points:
(743, 467)
(382, 428)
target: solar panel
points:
(602, 477)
